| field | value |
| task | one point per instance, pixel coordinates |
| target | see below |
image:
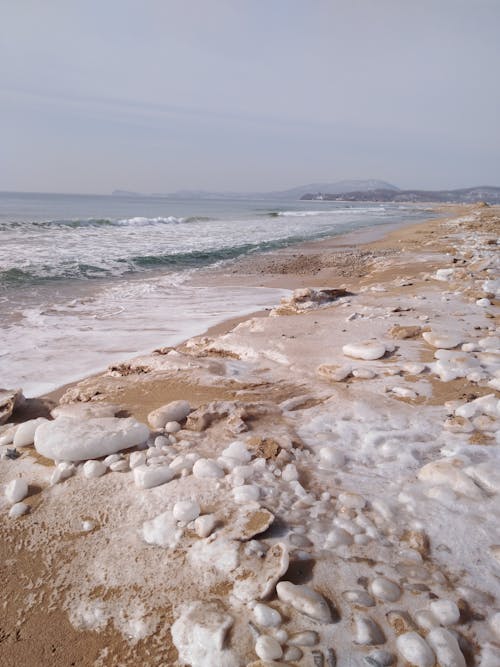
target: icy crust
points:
(354, 523)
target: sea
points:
(91, 280)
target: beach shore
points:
(345, 442)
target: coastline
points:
(385, 463)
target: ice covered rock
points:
(162, 531)
(368, 632)
(446, 648)
(385, 589)
(442, 341)
(119, 466)
(415, 650)
(25, 432)
(266, 616)
(67, 439)
(207, 468)
(85, 411)
(368, 350)
(305, 600)
(483, 303)
(446, 611)
(256, 577)
(199, 635)
(93, 469)
(186, 510)
(18, 509)
(172, 427)
(16, 490)
(339, 537)
(10, 399)
(292, 654)
(176, 411)
(267, 648)
(146, 477)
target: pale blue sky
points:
(156, 95)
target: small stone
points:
(364, 373)
(380, 659)
(360, 598)
(306, 638)
(441, 341)
(16, 490)
(137, 459)
(368, 350)
(330, 456)
(93, 469)
(267, 648)
(204, 525)
(146, 477)
(368, 632)
(425, 619)
(334, 373)
(62, 471)
(446, 648)
(172, 427)
(161, 441)
(206, 468)
(18, 509)
(339, 537)
(120, 466)
(446, 611)
(25, 433)
(415, 650)
(304, 600)
(246, 494)
(266, 616)
(385, 589)
(186, 510)
(176, 411)
(400, 621)
(292, 653)
(289, 473)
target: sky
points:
(247, 95)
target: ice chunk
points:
(368, 350)
(246, 493)
(305, 600)
(68, 439)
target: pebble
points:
(352, 500)
(16, 490)
(361, 598)
(62, 471)
(176, 411)
(25, 433)
(267, 648)
(446, 611)
(161, 441)
(186, 510)
(425, 619)
(93, 469)
(207, 468)
(146, 477)
(292, 653)
(446, 648)
(415, 650)
(305, 600)
(442, 341)
(172, 427)
(204, 525)
(237, 450)
(306, 638)
(18, 509)
(266, 616)
(289, 473)
(380, 659)
(368, 632)
(331, 457)
(339, 537)
(367, 350)
(120, 466)
(137, 459)
(385, 589)
(246, 493)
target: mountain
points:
(487, 193)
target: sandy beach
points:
(316, 484)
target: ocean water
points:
(86, 281)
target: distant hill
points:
(487, 193)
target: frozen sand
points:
(383, 485)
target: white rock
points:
(306, 638)
(162, 531)
(446, 611)
(266, 616)
(207, 468)
(237, 450)
(425, 619)
(204, 525)
(87, 526)
(85, 411)
(415, 650)
(495, 624)
(289, 473)
(336, 374)
(246, 493)
(330, 456)
(351, 500)
(368, 632)
(176, 411)
(339, 537)
(137, 459)
(449, 472)
(172, 427)
(62, 471)
(359, 597)
(120, 466)
(368, 350)
(292, 654)
(484, 303)
(414, 367)
(68, 439)
(305, 600)
(161, 441)
(446, 648)
(444, 274)
(16, 490)
(146, 477)
(18, 509)
(364, 373)
(93, 469)
(267, 648)
(112, 458)
(186, 510)
(385, 589)
(25, 432)
(441, 340)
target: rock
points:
(186, 510)
(339, 537)
(289, 473)
(446, 648)
(292, 653)
(306, 638)
(93, 469)
(364, 373)
(446, 611)
(368, 632)
(330, 456)
(334, 373)
(204, 525)
(400, 621)
(25, 432)
(442, 341)
(415, 650)
(10, 399)
(250, 522)
(62, 471)
(368, 350)
(18, 509)
(385, 589)
(162, 531)
(137, 459)
(257, 577)
(247, 493)
(402, 332)
(120, 466)
(199, 635)
(380, 659)
(176, 411)
(237, 450)
(68, 439)
(425, 619)
(267, 648)
(207, 468)
(266, 616)
(16, 490)
(172, 427)
(448, 471)
(360, 598)
(304, 600)
(146, 477)
(85, 411)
